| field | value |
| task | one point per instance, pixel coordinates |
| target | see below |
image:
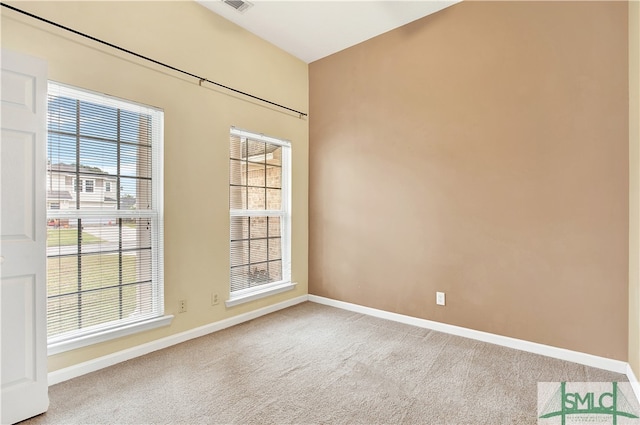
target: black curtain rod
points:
(173, 68)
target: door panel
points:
(17, 325)
(18, 170)
(23, 237)
(18, 90)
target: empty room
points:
(276, 212)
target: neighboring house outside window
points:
(260, 216)
(104, 247)
(61, 177)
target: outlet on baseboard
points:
(440, 298)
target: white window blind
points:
(104, 218)
(260, 214)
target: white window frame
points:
(261, 291)
(101, 333)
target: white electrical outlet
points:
(214, 299)
(182, 306)
(440, 298)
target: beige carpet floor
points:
(316, 364)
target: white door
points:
(23, 340)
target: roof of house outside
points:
(59, 194)
(71, 168)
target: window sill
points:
(107, 335)
(260, 293)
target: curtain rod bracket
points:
(202, 80)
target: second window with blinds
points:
(260, 216)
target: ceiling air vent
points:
(239, 5)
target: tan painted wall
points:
(634, 186)
(481, 151)
(197, 122)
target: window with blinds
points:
(104, 213)
(259, 200)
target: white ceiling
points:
(311, 30)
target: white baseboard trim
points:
(505, 341)
(617, 366)
(74, 371)
(634, 382)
